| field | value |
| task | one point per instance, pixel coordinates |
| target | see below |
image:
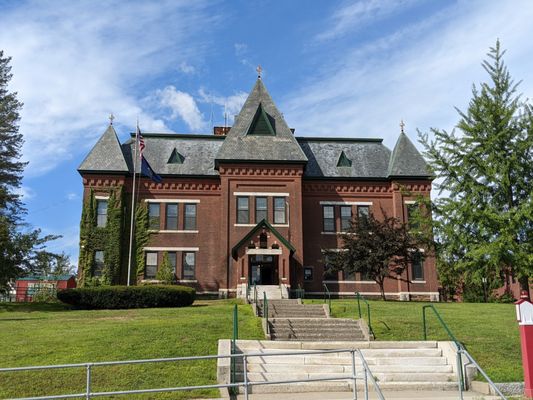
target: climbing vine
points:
(107, 239)
(141, 237)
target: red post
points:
(524, 315)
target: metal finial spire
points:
(259, 69)
(111, 118)
(402, 125)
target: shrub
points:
(45, 295)
(165, 273)
(117, 297)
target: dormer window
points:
(175, 158)
(344, 161)
(262, 124)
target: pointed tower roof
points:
(406, 160)
(106, 155)
(259, 133)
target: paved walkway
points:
(400, 395)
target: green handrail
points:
(255, 294)
(458, 344)
(234, 343)
(300, 292)
(360, 297)
(328, 294)
(265, 311)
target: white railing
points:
(365, 375)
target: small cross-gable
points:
(344, 161)
(175, 157)
(106, 155)
(260, 133)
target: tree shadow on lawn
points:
(34, 307)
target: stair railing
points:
(265, 312)
(300, 292)
(255, 294)
(360, 297)
(234, 338)
(327, 294)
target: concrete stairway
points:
(397, 366)
(272, 292)
(291, 320)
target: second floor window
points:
(363, 212)
(172, 217)
(280, 216)
(346, 218)
(329, 218)
(243, 210)
(261, 209)
(412, 214)
(190, 217)
(153, 216)
(101, 213)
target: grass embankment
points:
(40, 334)
(489, 331)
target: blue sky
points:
(335, 68)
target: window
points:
(243, 210)
(190, 217)
(412, 211)
(101, 213)
(261, 209)
(189, 266)
(329, 273)
(363, 212)
(346, 218)
(172, 217)
(308, 274)
(349, 276)
(153, 216)
(329, 218)
(150, 269)
(263, 240)
(417, 267)
(280, 215)
(172, 259)
(98, 263)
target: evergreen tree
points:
(483, 220)
(165, 273)
(19, 251)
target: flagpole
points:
(132, 219)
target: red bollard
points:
(524, 315)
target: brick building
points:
(255, 203)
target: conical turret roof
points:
(259, 133)
(406, 160)
(106, 155)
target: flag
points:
(141, 143)
(147, 171)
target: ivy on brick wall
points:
(141, 238)
(107, 239)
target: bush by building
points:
(118, 297)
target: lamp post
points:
(484, 280)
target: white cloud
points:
(230, 104)
(355, 15)
(72, 196)
(418, 73)
(240, 49)
(25, 192)
(76, 62)
(182, 105)
(186, 68)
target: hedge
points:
(117, 297)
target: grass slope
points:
(51, 334)
(489, 331)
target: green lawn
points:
(489, 331)
(51, 334)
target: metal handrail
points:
(255, 294)
(233, 369)
(459, 346)
(300, 292)
(480, 370)
(265, 312)
(246, 384)
(360, 297)
(328, 294)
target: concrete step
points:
(268, 346)
(347, 368)
(388, 394)
(380, 377)
(299, 360)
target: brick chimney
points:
(221, 130)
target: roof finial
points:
(111, 118)
(402, 125)
(259, 69)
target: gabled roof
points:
(406, 160)
(106, 155)
(241, 144)
(263, 224)
(369, 158)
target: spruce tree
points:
(483, 218)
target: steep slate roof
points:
(106, 155)
(369, 157)
(406, 160)
(198, 153)
(243, 144)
